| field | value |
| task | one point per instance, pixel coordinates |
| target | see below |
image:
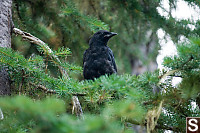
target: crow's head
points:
(101, 37)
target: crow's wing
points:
(112, 59)
(84, 56)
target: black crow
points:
(98, 59)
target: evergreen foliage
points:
(117, 99)
(110, 103)
(186, 65)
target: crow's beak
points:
(113, 33)
(110, 35)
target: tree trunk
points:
(5, 41)
(137, 66)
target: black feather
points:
(98, 59)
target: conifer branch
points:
(53, 91)
(35, 40)
(43, 88)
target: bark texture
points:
(148, 47)
(5, 23)
(5, 41)
(5, 83)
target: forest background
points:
(139, 95)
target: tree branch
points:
(54, 91)
(77, 107)
(1, 115)
(44, 88)
(35, 40)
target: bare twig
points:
(1, 115)
(54, 91)
(169, 73)
(43, 88)
(152, 117)
(77, 107)
(35, 40)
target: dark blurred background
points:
(70, 23)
